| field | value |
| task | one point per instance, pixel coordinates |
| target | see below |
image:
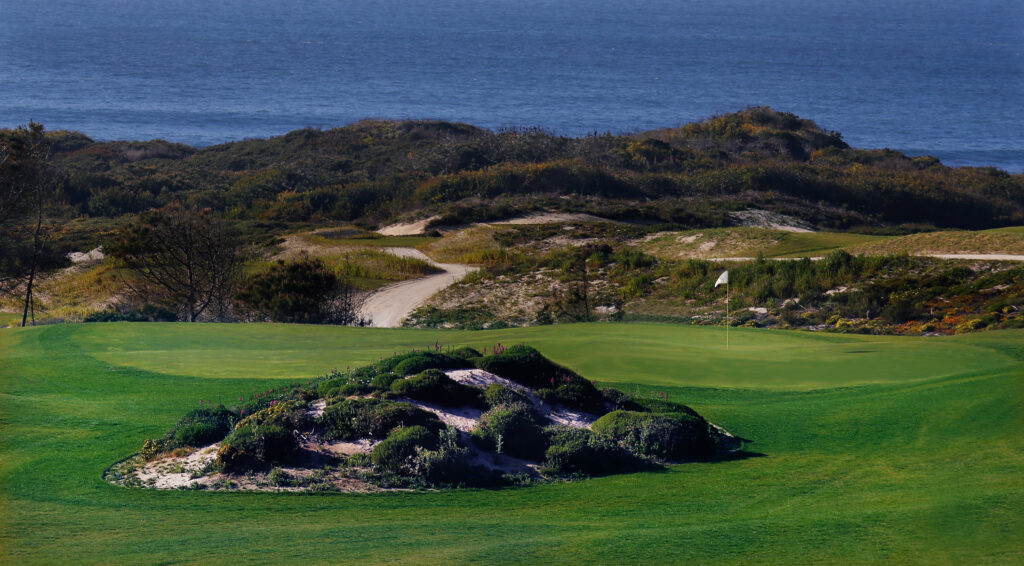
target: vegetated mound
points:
(432, 418)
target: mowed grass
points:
(748, 242)
(999, 241)
(872, 450)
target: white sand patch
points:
(317, 408)
(553, 218)
(407, 228)
(481, 378)
(464, 419)
(95, 254)
(350, 447)
(567, 417)
(176, 472)
(768, 219)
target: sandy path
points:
(389, 305)
(982, 257)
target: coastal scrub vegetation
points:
(375, 170)
(398, 415)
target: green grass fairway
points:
(875, 450)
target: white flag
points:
(723, 279)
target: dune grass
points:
(872, 450)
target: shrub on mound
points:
(513, 430)
(671, 436)
(525, 365)
(448, 465)
(577, 393)
(253, 447)
(580, 451)
(497, 394)
(396, 450)
(434, 385)
(350, 419)
(200, 427)
(661, 406)
(288, 415)
(465, 353)
(618, 400)
(198, 434)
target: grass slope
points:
(877, 449)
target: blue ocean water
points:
(924, 76)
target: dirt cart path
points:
(389, 305)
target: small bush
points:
(255, 447)
(148, 313)
(580, 451)
(448, 464)
(434, 385)
(395, 451)
(351, 419)
(576, 393)
(671, 436)
(198, 434)
(279, 477)
(525, 365)
(200, 427)
(465, 353)
(618, 400)
(513, 429)
(287, 415)
(497, 394)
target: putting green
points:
(662, 355)
(866, 450)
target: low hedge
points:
(670, 436)
(434, 385)
(350, 419)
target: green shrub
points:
(465, 353)
(580, 451)
(198, 434)
(200, 427)
(350, 419)
(512, 429)
(305, 290)
(497, 394)
(288, 415)
(527, 366)
(279, 477)
(434, 385)
(448, 464)
(671, 436)
(618, 400)
(253, 447)
(395, 451)
(576, 393)
(420, 361)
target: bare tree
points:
(185, 259)
(27, 183)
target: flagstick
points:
(727, 315)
